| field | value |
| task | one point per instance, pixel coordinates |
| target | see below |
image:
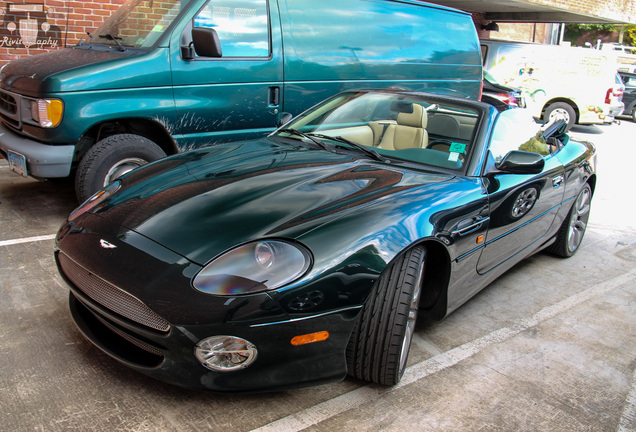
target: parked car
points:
(629, 94)
(493, 91)
(295, 259)
(160, 77)
(614, 98)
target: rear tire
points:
(560, 108)
(381, 339)
(111, 158)
(570, 235)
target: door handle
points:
(469, 225)
(556, 181)
(274, 96)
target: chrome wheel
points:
(410, 322)
(560, 113)
(578, 219)
(524, 202)
(122, 167)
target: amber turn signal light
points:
(310, 338)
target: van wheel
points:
(381, 338)
(110, 159)
(634, 114)
(562, 109)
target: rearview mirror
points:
(521, 162)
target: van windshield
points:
(137, 23)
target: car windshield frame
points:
(367, 118)
(123, 29)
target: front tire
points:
(111, 158)
(570, 235)
(381, 339)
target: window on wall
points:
(242, 26)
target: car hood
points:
(202, 203)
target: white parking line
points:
(628, 417)
(27, 240)
(340, 404)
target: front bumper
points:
(42, 160)
(133, 300)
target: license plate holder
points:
(17, 163)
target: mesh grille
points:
(139, 344)
(111, 297)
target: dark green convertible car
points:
(298, 258)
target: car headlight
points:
(254, 267)
(47, 112)
(225, 353)
(96, 200)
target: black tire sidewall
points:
(374, 350)
(95, 164)
(564, 106)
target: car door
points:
(237, 95)
(522, 206)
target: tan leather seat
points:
(379, 129)
(409, 132)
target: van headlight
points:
(254, 267)
(47, 112)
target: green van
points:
(163, 76)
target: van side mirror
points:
(205, 43)
(521, 162)
(284, 118)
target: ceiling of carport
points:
(524, 11)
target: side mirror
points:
(205, 42)
(521, 162)
(284, 118)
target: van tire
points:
(562, 108)
(111, 158)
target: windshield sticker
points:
(457, 148)
(453, 157)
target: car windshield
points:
(137, 23)
(412, 127)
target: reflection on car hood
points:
(204, 202)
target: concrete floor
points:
(551, 346)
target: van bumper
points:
(42, 160)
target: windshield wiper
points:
(366, 150)
(310, 137)
(113, 38)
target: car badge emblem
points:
(107, 245)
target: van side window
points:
(242, 26)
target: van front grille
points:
(8, 103)
(111, 297)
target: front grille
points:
(139, 344)
(10, 109)
(110, 296)
(8, 103)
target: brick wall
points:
(45, 25)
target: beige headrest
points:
(418, 118)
